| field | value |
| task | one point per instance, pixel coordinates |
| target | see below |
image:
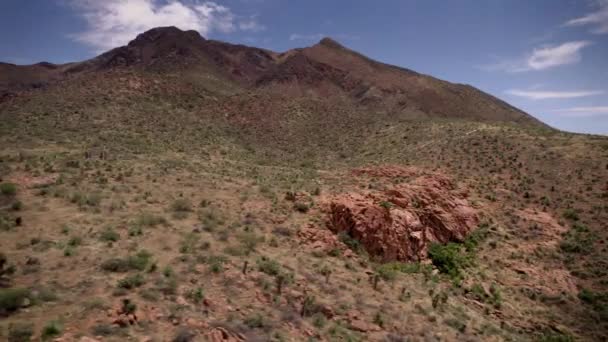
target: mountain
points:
(324, 71)
(185, 189)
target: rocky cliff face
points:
(401, 222)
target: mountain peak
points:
(165, 33)
(327, 41)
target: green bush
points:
(449, 259)
(131, 282)
(578, 240)
(139, 262)
(12, 299)
(268, 266)
(50, 330)
(8, 189)
(571, 214)
(109, 235)
(351, 242)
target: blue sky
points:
(547, 57)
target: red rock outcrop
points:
(400, 223)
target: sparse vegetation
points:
(131, 281)
(8, 189)
(50, 330)
(12, 299)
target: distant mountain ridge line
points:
(327, 70)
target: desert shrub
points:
(339, 332)
(8, 189)
(249, 241)
(577, 240)
(139, 262)
(216, 264)
(109, 235)
(555, 337)
(131, 282)
(16, 206)
(310, 307)
(282, 231)
(386, 205)
(128, 307)
(210, 219)
(115, 265)
(493, 298)
(12, 299)
(456, 324)
(598, 301)
(150, 220)
(268, 266)
(449, 259)
(571, 214)
(135, 231)
(387, 272)
(351, 242)
(83, 200)
(6, 223)
(75, 241)
(319, 320)
(20, 332)
(301, 207)
(68, 251)
(188, 244)
(181, 205)
(256, 321)
(196, 295)
(379, 319)
(476, 237)
(51, 329)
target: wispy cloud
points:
(542, 58)
(583, 111)
(598, 20)
(544, 95)
(251, 24)
(112, 23)
(319, 36)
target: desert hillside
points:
(185, 189)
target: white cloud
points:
(583, 111)
(543, 95)
(542, 58)
(598, 19)
(552, 56)
(112, 23)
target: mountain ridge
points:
(327, 69)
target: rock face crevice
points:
(400, 223)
